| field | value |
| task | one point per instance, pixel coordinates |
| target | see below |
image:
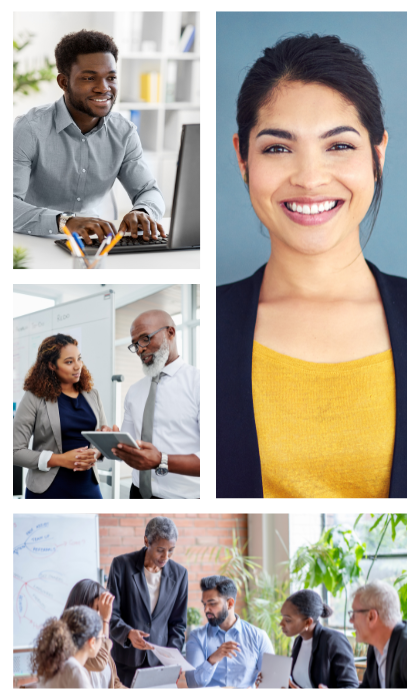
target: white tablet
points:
(156, 677)
(275, 671)
(106, 441)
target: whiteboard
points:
(50, 554)
(91, 322)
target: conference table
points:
(44, 254)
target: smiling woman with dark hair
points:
(315, 402)
(59, 403)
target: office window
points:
(391, 560)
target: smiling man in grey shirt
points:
(67, 155)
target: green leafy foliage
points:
(263, 609)
(193, 617)
(20, 258)
(334, 562)
(24, 83)
(400, 584)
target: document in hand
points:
(169, 656)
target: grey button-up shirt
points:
(56, 168)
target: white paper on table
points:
(168, 656)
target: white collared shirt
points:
(381, 661)
(176, 424)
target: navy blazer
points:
(131, 609)
(238, 464)
(332, 659)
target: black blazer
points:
(332, 660)
(131, 610)
(396, 662)
(238, 460)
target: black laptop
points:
(184, 232)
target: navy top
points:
(75, 415)
(238, 460)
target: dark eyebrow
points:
(95, 72)
(282, 134)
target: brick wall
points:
(119, 534)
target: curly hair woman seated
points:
(64, 646)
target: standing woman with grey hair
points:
(321, 656)
(150, 605)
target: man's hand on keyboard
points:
(85, 225)
(139, 219)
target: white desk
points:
(44, 254)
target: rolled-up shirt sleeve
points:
(203, 669)
(138, 181)
(27, 218)
(44, 458)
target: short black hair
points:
(76, 43)
(224, 586)
(84, 592)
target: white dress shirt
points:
(301, 667)
(176, 424)
(381, 661)
(153, 584)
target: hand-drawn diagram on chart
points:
(50, 554)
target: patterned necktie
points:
(147, 434)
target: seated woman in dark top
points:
(60, 402)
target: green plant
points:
(334, 562)
(402, 591)
(25, 82)
(20, 258)
(263, 608)
(193, 617)
(232, 559)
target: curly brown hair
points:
(54, 645)
(41, 380)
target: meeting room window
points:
(391, 558)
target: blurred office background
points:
(268, 555)
(158, 78)
(181, 301)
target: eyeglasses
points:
(144, 340)
(351, 613)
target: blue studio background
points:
(243, 244)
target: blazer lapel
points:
(54, 416)
(397, 326)
(92, 404)
(393, 643)
(140, 581)
(166, 585)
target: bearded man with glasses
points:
(162, 412)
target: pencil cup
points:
(79, 263)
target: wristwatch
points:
(162, 469)
(62, 221)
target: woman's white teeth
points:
(313, 208)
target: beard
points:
(160, 358)
(82, 107)
(221, 617)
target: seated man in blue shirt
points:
(67, 155)
(227, 651)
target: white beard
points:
(160, 358)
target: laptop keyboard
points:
(127, 244)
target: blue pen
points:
(78, 241)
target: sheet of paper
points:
(168, 656)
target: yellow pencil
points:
(113, 242)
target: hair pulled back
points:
(310, 604)
(41, 380)
(83, 623)
(315, 59)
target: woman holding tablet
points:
(102, 669)
(60, 402)
(63, 647)
(311, 350)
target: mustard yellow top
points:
(325, 430)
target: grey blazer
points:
(41, 419)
